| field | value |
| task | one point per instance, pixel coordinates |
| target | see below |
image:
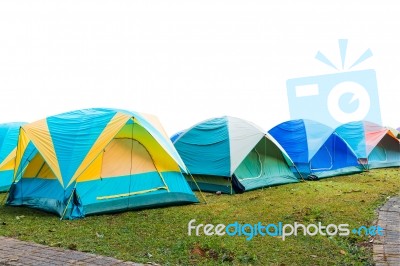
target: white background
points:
(185, 61)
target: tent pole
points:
(231, 186)
(201, 193)
(295, 167)
(23, 170)
(69, 200)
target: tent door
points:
(129, 159)
(378, 154)
(322, 161)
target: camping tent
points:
(315, 149)
(374, 145)
(230, 155)
(95, 161)
(8, 147)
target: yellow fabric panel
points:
(112, 128)
(161, 158)
(23, 142)
(34, 166)
(9, 162)
(156, 123)
(38, 168)
(93, 171)
(46, 172)
(38, 133)
(126, 156)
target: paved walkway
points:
(16, 252)
(387, 247)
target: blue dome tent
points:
(315, 149)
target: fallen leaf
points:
(198, 251)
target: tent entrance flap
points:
(128, 157)
(323, 160)
(38, 168)
(378, 154)
(251, 167)
(264, 166)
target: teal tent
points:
(8, 147)
(230, 155)
(374, 145)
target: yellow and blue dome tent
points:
(8, 148)
(229, 154)
(96, 161)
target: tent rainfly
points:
(374, 145)
(8, 148)
(315, 149)
(96, 161)
(231, 155)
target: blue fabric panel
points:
(8, 138)
(354, 134)
(8, 142)
(333, 155)
(44, 194)
(3, 133)
(303, 168)
(90, 190)
(343, 156)
(177, 183)
(291, 135)
(48, 195)
(317, 134)
(6, 178)
(74, 134)
(205, 148)
(143, 201)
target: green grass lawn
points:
(160, 235)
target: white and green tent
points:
(230, 155)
